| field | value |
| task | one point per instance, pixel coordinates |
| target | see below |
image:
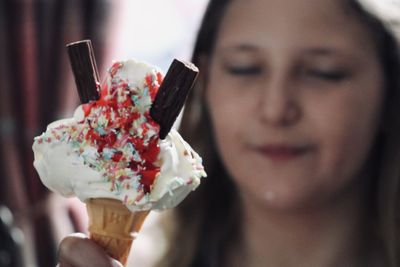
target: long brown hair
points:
(208, 222)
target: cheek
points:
(231, 111)
(230, 107)
(227, 119)
(345, 127)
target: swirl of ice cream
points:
(111, 148)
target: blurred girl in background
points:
(296, 115)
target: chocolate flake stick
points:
(172, 94)
(84, 67)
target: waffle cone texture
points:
(113, 226)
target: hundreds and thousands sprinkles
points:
(120, 129)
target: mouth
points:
(281, 152)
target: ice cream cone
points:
(113, 226)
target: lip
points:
(281, 152)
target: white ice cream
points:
(70, 162)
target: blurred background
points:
(37, 87)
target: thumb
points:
(77, 250)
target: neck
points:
(328, 236)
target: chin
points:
(286, 199)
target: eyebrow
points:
(322, 51)
(312, 51)
(332, 51)
(245, 48)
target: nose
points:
(279, 103)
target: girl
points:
(297, 118)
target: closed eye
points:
(328, 75)
(244, 70)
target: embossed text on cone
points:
(113, 226)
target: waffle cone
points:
(113, 226)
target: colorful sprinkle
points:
(121, 132)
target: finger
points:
(114, 263)
(78, 251)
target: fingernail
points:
(115, 263)
(80, 235)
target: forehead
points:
(292, 23)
